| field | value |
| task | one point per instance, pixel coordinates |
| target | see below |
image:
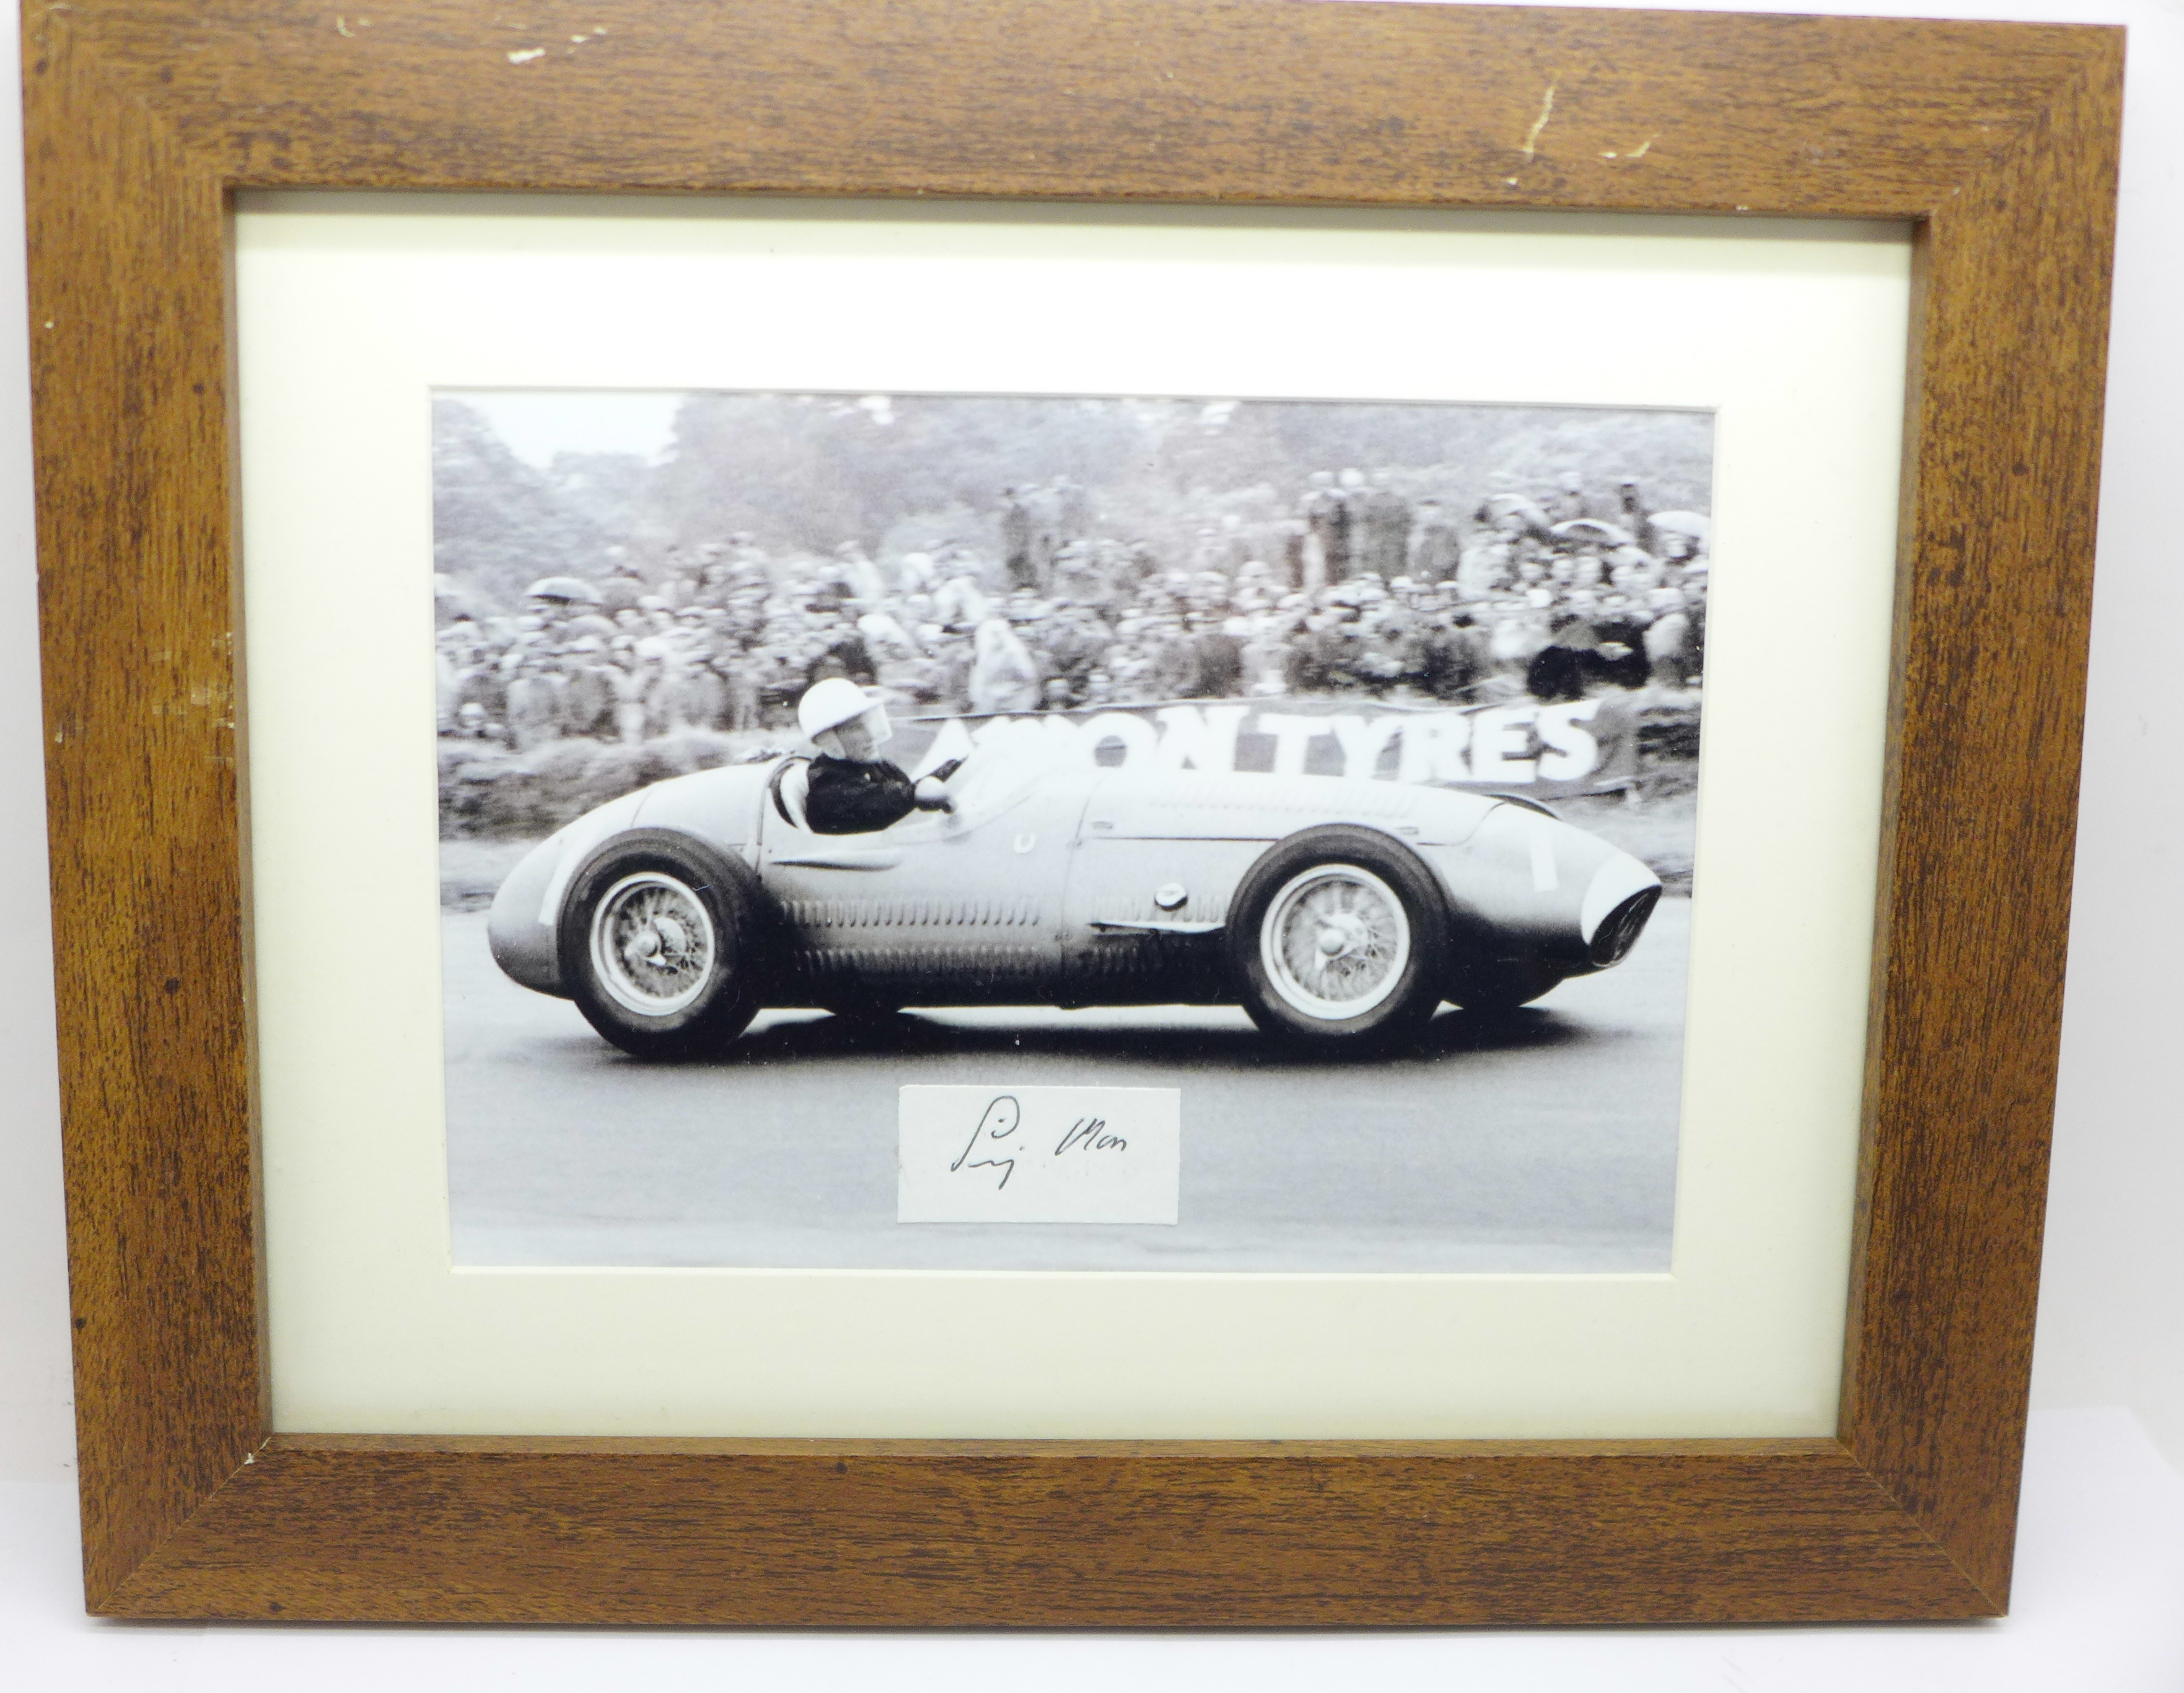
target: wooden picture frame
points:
(1998, 142)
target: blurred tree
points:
(498, 523)
(805, 472)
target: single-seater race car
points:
(1337, 912)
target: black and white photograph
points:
(969, 832)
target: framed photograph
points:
(1308, 865)
(1065, 700)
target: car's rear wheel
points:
(1338, 939)
(661, 943)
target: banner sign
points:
(1584, 746)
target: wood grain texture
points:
(876, 1533)
(1999, 140)
(136, 603)
(1973, 926)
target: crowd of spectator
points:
(1355, 587)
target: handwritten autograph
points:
(1089, 1134)
(999, 1121)
(1005, 1116)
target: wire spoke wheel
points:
(1335, 942)
(653, 945)
(663, 945)
(1338, 940)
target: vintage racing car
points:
(1337, 912)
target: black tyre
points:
(1337, 938)
(874, 1012)
(662, 945)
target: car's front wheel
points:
(1337, 938)
(660, 944)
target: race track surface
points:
(1545, 1141)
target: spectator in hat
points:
(585, 701)
(1434, 548)
(1018, 536)
(1695, 584)
(1076, 571)
(1454, 661)
(471, 723)
(1173, 669)
(679, 581)
(1382, 530)
(530, 712)
(1564, 668)
(960, 601)
(1486, 567)
(1073, 510)
(1074, 642)
(1326, 514)
(1220, 658)
(915, 573)
(1003, 676)
(623, 586)
(841, 650)
(1621, 629)
(1570, 501)
(857, 578)
(1668, 650)
(624, 675)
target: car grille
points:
(1619, 931)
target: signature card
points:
(1038, 1155)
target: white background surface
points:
(351, 308)
(2099, 1561)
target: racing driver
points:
(849, 788)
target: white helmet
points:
(833, 702)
